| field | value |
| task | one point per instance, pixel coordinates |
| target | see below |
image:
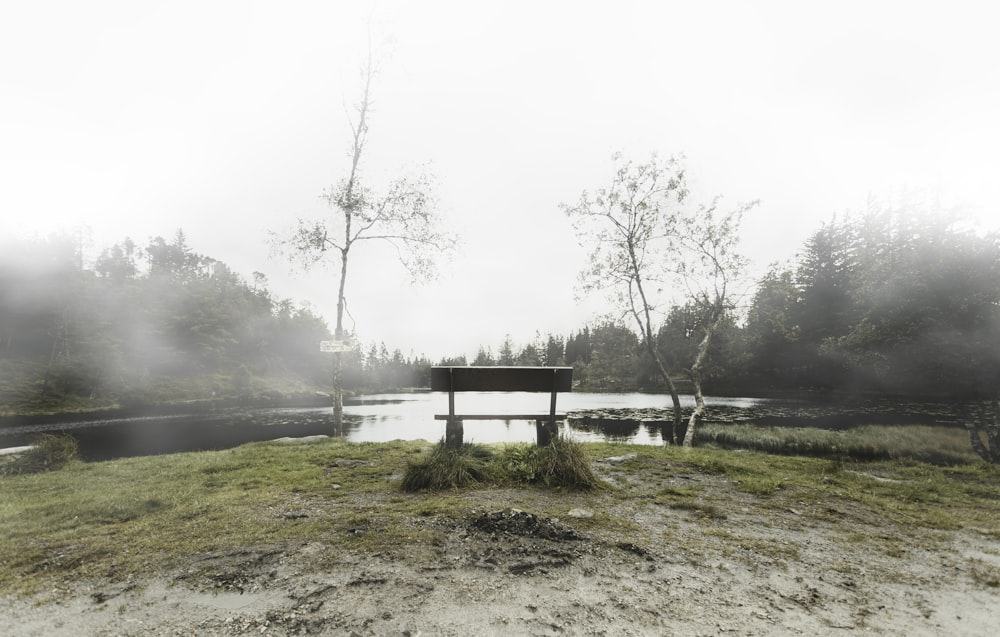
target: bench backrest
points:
(492, 378)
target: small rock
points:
(618, 459)
(298, 441)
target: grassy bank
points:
(141, 516)
(931, 444)
(22, 391)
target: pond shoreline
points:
(195, 427)
(836, 403)
(778, 413)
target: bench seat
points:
(550, 380)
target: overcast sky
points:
(227, 119)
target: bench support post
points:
(545, 430)
(453, 431)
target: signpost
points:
(336, 346)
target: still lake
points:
(371, 418)
(384, 417)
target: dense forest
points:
(144, 325)
(887, 302)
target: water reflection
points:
(411, 416)
(609, 429)
(377, 418)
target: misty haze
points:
(399, 319)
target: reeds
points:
(935, 445)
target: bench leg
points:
(453, 433)
(545, 431)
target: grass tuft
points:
(564, 463)
(448, 468)
(49, 452)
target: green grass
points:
(563, 463)
(904, 491)
(131, 515)
(21, 383)
(937, 445)
(135, 516)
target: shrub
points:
(518, 463)
(48, 453)
(562, 463)
(448, 468)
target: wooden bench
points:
(501, 379)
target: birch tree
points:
(626, 227)
(708, 262)
(648, 249)
(403, 216)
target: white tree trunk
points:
(338, 393)
(699, 399)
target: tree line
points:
(889, 301)
(892, 301)
(897, 301)
(144, 324)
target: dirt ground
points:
(822, 568)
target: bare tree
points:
(404, 216)
(627, 228)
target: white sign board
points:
(336, 346)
